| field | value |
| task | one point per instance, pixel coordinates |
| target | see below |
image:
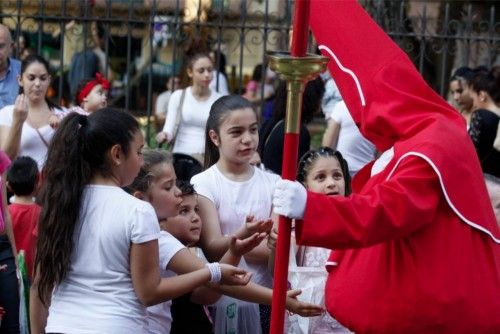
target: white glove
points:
(289, 199)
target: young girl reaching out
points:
(97, 252)
(322, 171)
(230, 190)
(156, 183)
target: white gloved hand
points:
(289, 199)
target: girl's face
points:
(238, 136)
(186, 225)
(35, 81)
(163, 194)
(129, 166)
(96, 99)
(325, 176)
(201, 72)
(460, 95)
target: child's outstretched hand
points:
(3, 267)
(272, 238)
(239, 247)
(232, 275)
(303, 309)
(253, 225)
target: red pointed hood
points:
(394, 107)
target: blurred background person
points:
(9, 69)
(459, 92)
(219, 80)
(173, 83)
(343, 135)
(484, 89)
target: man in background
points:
(9, 69)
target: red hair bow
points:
(99, 80)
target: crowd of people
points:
(114, 241)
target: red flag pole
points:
(298, 49)
(300, 30)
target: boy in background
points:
(22, 180)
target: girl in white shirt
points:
(24, 126)
(321, 171)
(232, 191)
(97, 264)
(195, 102)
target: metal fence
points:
(141, 42)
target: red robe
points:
(414, 267)
(419, 245)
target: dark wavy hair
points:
(77, 152)
(186, 188)
(487, 81)
(307, 160)
(220, 109)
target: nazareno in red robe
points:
(416, 245)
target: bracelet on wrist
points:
(215, 272)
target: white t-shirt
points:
(162, 103)
(355, 148)
(190, 138)
(31, 144)
(235, 200)
(159, 317)
(97, 295)
(223, 87)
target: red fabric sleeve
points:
(391, 209)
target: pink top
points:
(4, 165)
